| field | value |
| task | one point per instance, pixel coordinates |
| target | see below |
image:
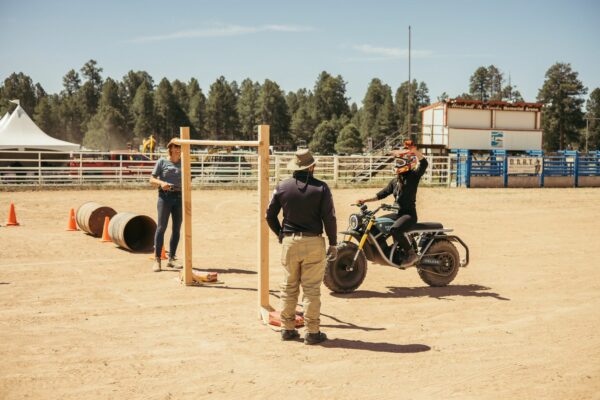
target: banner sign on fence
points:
(524, 165)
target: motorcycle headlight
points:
(354, 221)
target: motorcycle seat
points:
(426, 226)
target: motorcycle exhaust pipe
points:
(430, 261)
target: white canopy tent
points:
(19, 132)
(4, 119)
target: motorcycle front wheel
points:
(340, 275)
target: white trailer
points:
(477, 125)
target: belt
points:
(301, 234)
(171, 191)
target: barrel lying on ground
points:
(132, 231)
(90, 217)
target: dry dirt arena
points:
(82, 319)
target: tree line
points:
(104, 114)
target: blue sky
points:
(292, 42)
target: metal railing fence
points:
(238, 169)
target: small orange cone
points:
(105, 235)
(72, 225)
(163, 255)
(12, 217)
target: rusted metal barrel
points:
(132, 231)
(90, 217)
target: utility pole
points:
(587, 130)
(408, 116)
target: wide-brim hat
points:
(172, 143)
(302, 160)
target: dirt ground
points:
(82, 319)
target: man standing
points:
(307, 205)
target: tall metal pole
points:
(587, 130)
(408, 116)
(587, 133)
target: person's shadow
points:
(440, 293)
(347, 325)
(375, 346)
(226, 270)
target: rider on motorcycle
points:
(404, 188)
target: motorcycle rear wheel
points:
(444, 273)
(337, 278)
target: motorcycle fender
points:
(356, 235)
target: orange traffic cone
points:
(72, 225)
(163, 255)
(12, 217)
(105, 235)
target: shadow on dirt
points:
(347, 325)
(440, 293)
(226, 270)
(373, 346)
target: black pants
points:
(404, 223)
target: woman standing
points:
(167, 176)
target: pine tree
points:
(128, 89)
(479, 84)
(593, 123)
(495, 80)
(248, 108)
(349, 141)
(562, 116)
(378, 116)
(325, 137)
(222, 119)
(107, 129)
(142, 111)
(169, 114)
(90, 92)
(330, 97)
(273, 111)
(20, 87)
(197, 115)
(180, 91)
(70, 112)
(303, 121)
(46, 116)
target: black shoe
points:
(410, 259)
(289, 334)
(315, 338)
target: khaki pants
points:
(303, 261)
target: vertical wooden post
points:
(263, 229)
(186, 192)
(336, 170)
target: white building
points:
(476, 125)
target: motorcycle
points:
(368, 237)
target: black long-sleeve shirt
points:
(404, 188)
(307, 206)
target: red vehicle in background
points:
(113, 163)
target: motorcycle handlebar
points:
(363, 207)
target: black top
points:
(404, 188)
(307, 206)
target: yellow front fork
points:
(364, 238)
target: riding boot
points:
(411, 258)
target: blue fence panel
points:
(589, 164)
(558, 166)
(487, 167)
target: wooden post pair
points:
(263, 195)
